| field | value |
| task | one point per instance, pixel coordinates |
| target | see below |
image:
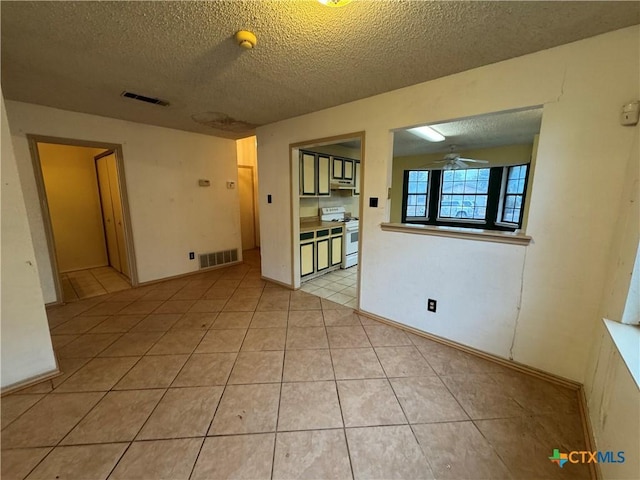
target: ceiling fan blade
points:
(459, 163)
(472, 160)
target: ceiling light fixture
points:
(334, 3)
(246, 39)
(427, 133)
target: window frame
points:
(495, 201)
(504, 194)
(405, 194)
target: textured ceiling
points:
(483, 131)
(81, 55)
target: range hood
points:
(342, 185)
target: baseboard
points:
(30, 382)
(188, 274)
(282, 284)
(556, 379)
(594, 468)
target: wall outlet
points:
(431, 305)
(192, 255)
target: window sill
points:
(478, 234)
(626, 338)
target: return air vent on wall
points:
(208, 260)
(142, 98)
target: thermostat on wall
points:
(204, 183)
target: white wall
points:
(558, 278)
(26, 345)
(170, 213)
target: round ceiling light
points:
(334, 3)
(246, 39)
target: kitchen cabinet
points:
(320, 250)
(356, 177)
(315, 172)
(341, 169)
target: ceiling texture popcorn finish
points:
(80, 56)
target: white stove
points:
(351, 226)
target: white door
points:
(247, 207)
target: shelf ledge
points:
(478, 234)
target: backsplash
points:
(309, 206)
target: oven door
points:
(351, 242)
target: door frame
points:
(294, 175)
(33, 141)
(253, 200)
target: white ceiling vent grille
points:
(208, 260)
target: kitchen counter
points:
(310, 226)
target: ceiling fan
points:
(453, 160)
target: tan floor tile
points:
(132, 344)
(257, 367)
(45, 386)
(403, 362)
(219, 292)
(183, 412)
(252, 283)
(141, 307)
(68, 366)
(59, 341)
(16, 464)
(88, 345)
(175, 306)
(341, 318)
(195, 321)
(242, 293)
(260, 339)
(176, 342)
(205, 369)
(427, 400)
(312, 455)
(152, 372)
(107, 308)
(307, 302)
(442, 444)
(190, 293)
(386, 452)
(239, 304)
(306, 318)
(244, 456)
(329, 305)
(309, 405)
(247, 409)
(306, 338)
(482, 396)
(275, 319)
(157, 322)
(100, 374)
(79, 324)
(158, 460)
(118, 324)
(347, 337)
(272, 304)
(307, 366)
(228, 320)
(47, 422)
(15, 405)
(216, 341)
(356, 363)
(537, 396)
(86, 461)
(450, 361)
(117, 418)
(207, 306)
(369, 402)
(386, 336)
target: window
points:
(417, 189)
(489, 198)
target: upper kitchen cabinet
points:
(315, 173)
(342, 169)
(356, 177)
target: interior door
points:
(107, 213)
(118, 216)
(247, 207)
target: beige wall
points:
(25, 341)
(248, 156)
(74, 205)
(170, 214)
(496, 156)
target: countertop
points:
(310, 226)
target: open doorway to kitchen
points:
(327, 177)
(84, 207)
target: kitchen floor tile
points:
(205, 369)
(86, 461)
(247, 409)
(356, 363)
(257, 367)
(307, 365)
(309, 405)
(426, 400)
(369, 402)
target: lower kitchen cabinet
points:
(307, 253)
(336, 247)
(322, 254)
(320, 251)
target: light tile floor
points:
(339, 286)
(92, 282)
(222, 375)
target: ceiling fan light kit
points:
(427, 133)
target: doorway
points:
(327, 179)
(83, 198)
(246, 192)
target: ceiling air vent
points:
(142, 98)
